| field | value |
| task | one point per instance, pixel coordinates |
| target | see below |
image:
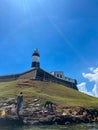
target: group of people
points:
(50, 107)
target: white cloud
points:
(92, 77)
(95, 90)
(91, 68)
(82, 88)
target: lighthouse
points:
(36, 59)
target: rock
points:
(37, 105)
(31, 105)
(33, 114)
(74, 113)
(64, 113)
(35, 100)
(5, 104)
(10, 101)
(31, 122)
(1, 104)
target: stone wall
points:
(26, 75)
(38, 74)
(7, 78)
(43, 75)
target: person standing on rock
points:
(19, 102)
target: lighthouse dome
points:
(36, 53)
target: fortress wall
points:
(42, 75)
(39, 74)
(28, 75)
(12, 77)
(8, 78)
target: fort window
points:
(60, 76)
(57, 75)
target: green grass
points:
(56, 93)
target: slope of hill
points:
(44, 91)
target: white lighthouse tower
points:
(36, 58)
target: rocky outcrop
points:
(34, 114)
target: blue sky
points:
(64, 31)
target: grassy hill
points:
(44, 91)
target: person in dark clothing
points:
(19, 102)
